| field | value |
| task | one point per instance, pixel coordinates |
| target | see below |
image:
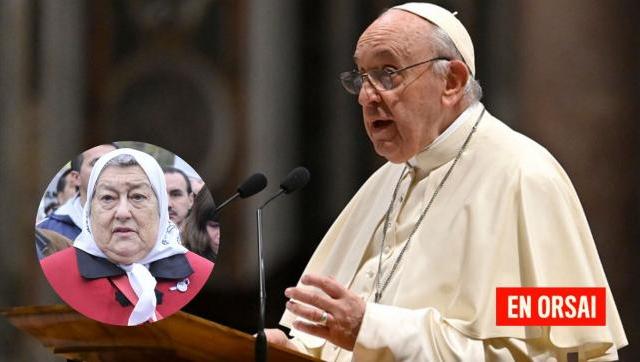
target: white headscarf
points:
(167, 242)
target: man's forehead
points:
(175, 180)
(97, 151)
(394, 33)
(385, 54)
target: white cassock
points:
(507, 216)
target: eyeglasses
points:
(381, 79)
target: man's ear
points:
(192, 197)
(456, 80)
(75, 177)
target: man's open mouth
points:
(381, 123)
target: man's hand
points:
(278, 337)
(344, 309)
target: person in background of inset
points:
(201, 231)
(67, 187)
(194, 177)
(180, 195)
(67, 219)
(51, 207)
(54, 242)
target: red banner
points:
(550, 306)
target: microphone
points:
(295, 180)
(251, 186)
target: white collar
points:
(464, 116)
(446, 146)
(73, 209)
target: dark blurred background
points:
(235, 87)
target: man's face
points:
(180, 201)
(124, 214)
(70, 187)
(402, 121)
(89, 158)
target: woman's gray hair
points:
(121, 161)
(443, 46)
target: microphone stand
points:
(261, 337)
(226, 202)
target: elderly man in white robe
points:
(409, 270)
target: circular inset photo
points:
(126, 233)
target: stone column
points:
(62, 54)
(271, 66)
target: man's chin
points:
(391, 156)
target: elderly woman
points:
(127, 266)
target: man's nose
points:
(368, 93)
